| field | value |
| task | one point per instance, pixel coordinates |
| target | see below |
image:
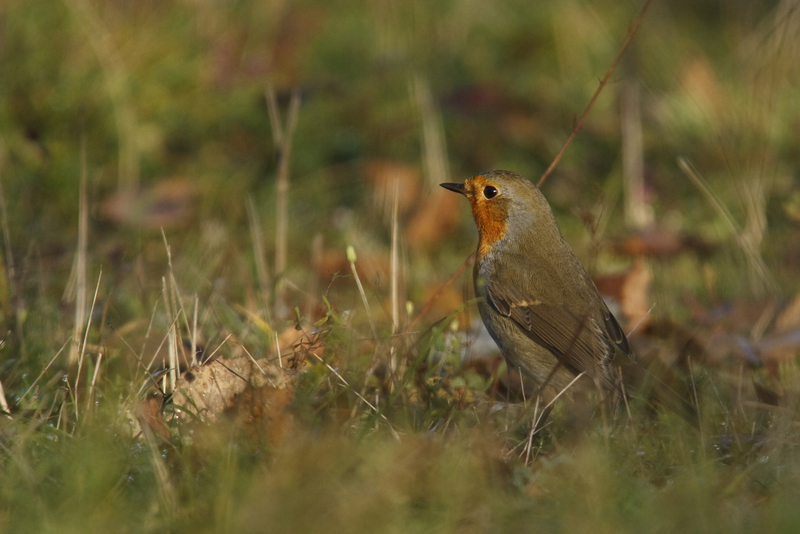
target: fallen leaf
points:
(167, 204)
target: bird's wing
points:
(581, 343)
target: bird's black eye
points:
(490, 191)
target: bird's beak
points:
(458, 188)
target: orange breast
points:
(490, 215)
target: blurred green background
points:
(164, 109)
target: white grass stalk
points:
(554, 399)
(4, 403)
(529, 445)
(83, 345)
(637, 212)
(94, 381)
(172, 351)
(278, 348)
(80, 265)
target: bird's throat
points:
(490, 218)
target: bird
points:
(537, 301)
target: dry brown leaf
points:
(660, 242)
(630, 290)
(149, 415)
(209, 390)
(783, 343)
(789, 318)
(439, 215)
(167, 204)
(388, 177)
(701, 85)
(449, 300)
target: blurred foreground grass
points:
(157, 115)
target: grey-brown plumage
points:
(538, 302)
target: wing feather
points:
(580, 343)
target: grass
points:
(147, 174)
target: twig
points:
(603, 83)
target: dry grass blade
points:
(175, 295)
(90, 397)
(10, 274)
(222, 344)
(638, 213)
(359, 395)
(533, 431)
(117, 83)
(258, 251)
(76, 286)
(54, 358)
(4, 403)
(85, 339)
(172, 374)
(283, 136)
(193, 354)
(394, 279)
(762, 279)
(434, 145)
(554, 399)
(394, 262)
(351, 258)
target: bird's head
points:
(500, 200)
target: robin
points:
(537, 301)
